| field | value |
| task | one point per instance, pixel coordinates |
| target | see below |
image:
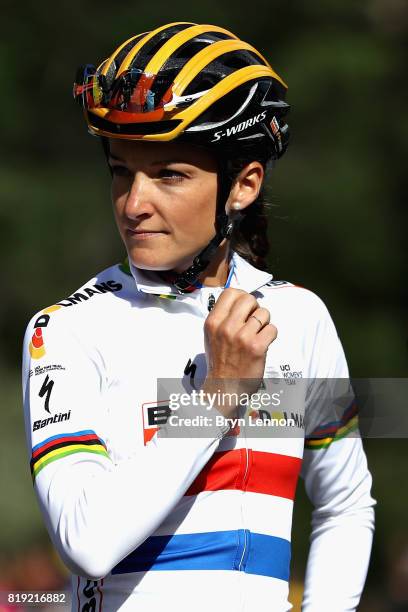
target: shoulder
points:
(108, 290)
(294, 299)
(304, 321)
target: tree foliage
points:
(338, 220)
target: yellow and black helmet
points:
(195, 83)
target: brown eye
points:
(171, 175)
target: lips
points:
(143, 232)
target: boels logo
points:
(154, 414)
(37, 347)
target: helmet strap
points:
(224, 226)
(183, 281)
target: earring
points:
(236, 206)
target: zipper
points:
(246, 470)
(245, 547)
(245, 550)
(245, 532)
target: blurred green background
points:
(338, 217)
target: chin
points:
(161, 257)
(157, 264)
(144, 264)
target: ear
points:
(246, 187)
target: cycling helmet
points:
(192, 83)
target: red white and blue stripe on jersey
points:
(269, 482)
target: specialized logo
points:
(57, 418)
(190, 369)
(240, 127)
(45, 390)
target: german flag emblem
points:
(37, 349)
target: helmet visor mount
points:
(134, 96)
(131, 94)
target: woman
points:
(145, 517)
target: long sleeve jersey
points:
(156, 522)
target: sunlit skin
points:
(164, 198)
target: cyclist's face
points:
(164, 197)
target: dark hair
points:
(249, 237)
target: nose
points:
(139, 197)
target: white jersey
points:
(152, 523)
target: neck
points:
(216, 273)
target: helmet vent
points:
(220, 68)
(152, 46)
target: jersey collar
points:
(242, 275)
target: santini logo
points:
(239, 128)
(57, 418)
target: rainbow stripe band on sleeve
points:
(324, 435)
(64, 444)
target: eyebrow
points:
(164, 162)
(160, 162)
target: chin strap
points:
(186, 279)
(224, 225)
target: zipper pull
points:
(211, 302)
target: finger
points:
(256, 344)
(254, 324)
(232, 310)
(257, 340)
(260, 316)
(241, 309)
(224, 303)
(228, 297)
(264, 339)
